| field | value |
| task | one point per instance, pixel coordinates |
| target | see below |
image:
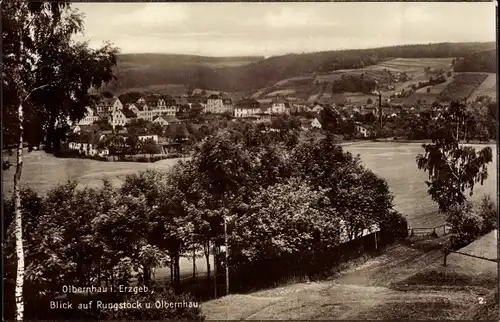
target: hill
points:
(483, 61)
(253, 73)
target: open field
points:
(413, 66)
(282, 92)
(422, 95)
(395, 162)
(488, 87)
(365, 291)
(42, 172)
(462, 86)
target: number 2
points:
(481, 300)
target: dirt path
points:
(365, 292)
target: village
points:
(164, 120)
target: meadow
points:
(488, 87)
(42, 171)
(463, 86)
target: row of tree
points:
(279, 199)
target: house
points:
(362, 130)
(150, 107)
(297, 105)
(171, 119)
(165, 120)
(316, 123)
(117, 118)
(214, 104)
(87, 144)
(262, 117)
(247, 107)
(129, 115)
(317, 108)
(145, 137)
(160, 120)
(280, 106)
(133, 107)
(227, 104)
(108, 105)
(76, 129)
(90, 116)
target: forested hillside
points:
(250, 73)
(483, 61)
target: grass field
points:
(42, 171)
(413, 66)
(422, 95)
(395, 162)
(462, 86)
(488, 88)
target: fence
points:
(271, 273)
(440, 230)
(448, 252)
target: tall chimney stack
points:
(380, 108)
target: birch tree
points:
(40, 64)
(453, 168)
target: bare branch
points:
(36, 89)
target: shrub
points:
(489, 213)
(394, 226)
(188, 309)
(466, 224)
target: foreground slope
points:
(377, 289)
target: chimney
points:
(380, 108)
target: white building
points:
(316, 123)
(280, 106)
(247, 107)
(117, 118)
(154, 137)
(148, 109)
(90, 117)
(362, 130)
(108, 105)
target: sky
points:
(267, 29)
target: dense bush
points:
(394, 226)
(466, 224)
(488, 211)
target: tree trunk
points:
(194, 262)
(18, 218)
(171, 270)
(207, 257)
(177, 272)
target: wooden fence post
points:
(445, 255)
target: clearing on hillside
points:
(422, 95)
(462, 86)
(487, 88)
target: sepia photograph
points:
(205, 161)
